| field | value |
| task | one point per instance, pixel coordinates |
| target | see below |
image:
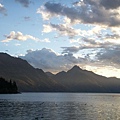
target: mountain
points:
(49, 74)
(78, 80)
(26, 77)
(29, 79)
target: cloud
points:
(108, 71)
(47, 28)
(62, 29)
(88, 12)
(112, 37)
(27, 18)
(46, 40)
(3, 10)
(73, 49)
(86, 43)
(48, 60)
(17, 44)
(24, 3)
(46, 14)
(100, 16)
(110, 56)
(110, 4)
(18, 36)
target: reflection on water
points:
(60, 107)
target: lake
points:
(60, 106)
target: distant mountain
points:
(78, 80)
(29, 79)
(49, 74)
(26, 77)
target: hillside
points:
(26, 77)
(78, 80)
(29, 79)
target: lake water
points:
(59, 106)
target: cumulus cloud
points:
(72, 49)
(3, 10)
(86, 43)
(90, 25)
(48, 60)
(24, 3)
(46, 40)
(18, 36)
(110, 57)
(112, 37)
(110, 4)
(62, 29)
(104, 3)
(101, 15)
(88, 12)
(46, 14)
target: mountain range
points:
(30, 79)
(26, 77)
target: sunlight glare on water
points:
(60, 106)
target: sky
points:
(55, 35)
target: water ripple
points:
(94, 108)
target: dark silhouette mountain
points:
(26, 77)
(49, 74)
(29, 79)
(78, 80)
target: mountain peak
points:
(75, 69)
(76, 66)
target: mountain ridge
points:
(30, 79)
(26, 77)
(77, 79)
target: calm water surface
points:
(60, 106)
